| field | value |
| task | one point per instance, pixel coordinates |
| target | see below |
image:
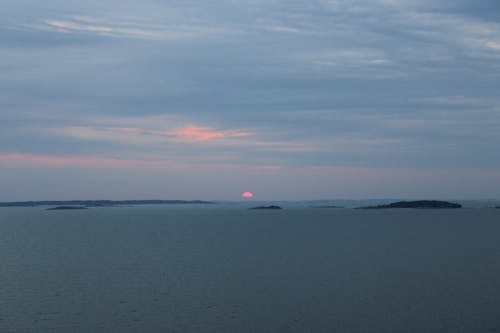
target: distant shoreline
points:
(313, 204)
(101, 203)
(67, 208)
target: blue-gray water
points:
(229, 269)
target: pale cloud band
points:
(204, 133)
(173, 180)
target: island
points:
(267, 207)
(420, 204)
(66, 208)
(326, 206)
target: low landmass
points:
(66, 208)
(326, 206)
(267, 207)
(421, 204)
(99, 203)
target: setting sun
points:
(247, 195)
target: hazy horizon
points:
(339, 202)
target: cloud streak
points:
(74, 25)
(28, 160)
(203, 133)
(140, 28)
(66, 25)
(187, 133)
(182, 143)
(16, 159)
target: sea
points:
(225, 268)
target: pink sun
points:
(247, 195)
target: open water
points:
(228, 269)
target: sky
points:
(291, 100)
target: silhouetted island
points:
(267, 207)
(326, 206)
(422, 204)
(99, 203)
(66, 208)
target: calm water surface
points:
(228, 269)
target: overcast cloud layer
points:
(289, 99)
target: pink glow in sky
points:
(204, 133)
(17, 159)
(247, 195)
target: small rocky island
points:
(66, 208)
(327, 206)
(421, 204)
(267, 207)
